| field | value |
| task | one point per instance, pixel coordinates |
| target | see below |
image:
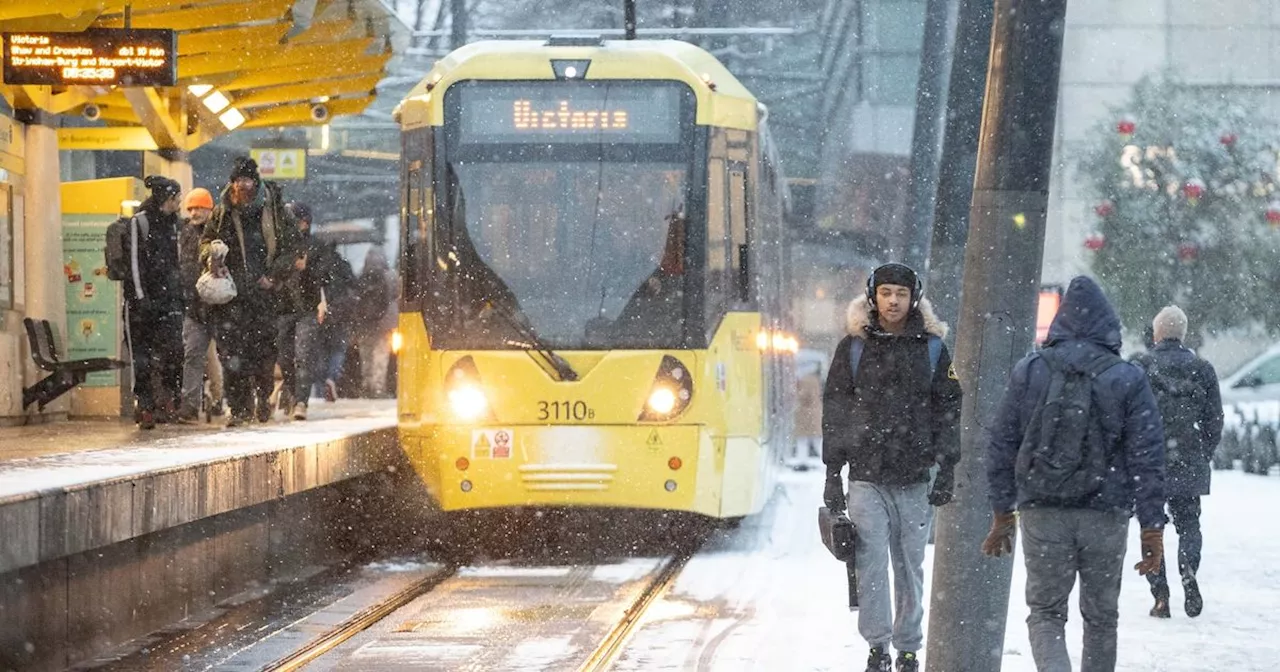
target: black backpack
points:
(1061, 457)
(119, 238)
(1180, 399)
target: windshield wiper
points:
(535, 344)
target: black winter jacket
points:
(283, 243)
(1192, 423)
(157, 271)
(894, 421)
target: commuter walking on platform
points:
(1186, 390)
(374, 319)
(199, 356)
(808, 416)
(260, 241)
(891, 411)
(1076, 445)
(153, 302)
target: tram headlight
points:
(662, 401)
(468, 402)
(397, 341)
(671, 392)
(465, 393)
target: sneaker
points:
(879, 660)
(907, 662)
(330, 391)
(1161, 609)
(299, 411)
(146, 420)
(1195, 602)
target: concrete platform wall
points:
(84, 570)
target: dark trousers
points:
(1059, 545)
(1185, 514)
(296, 341)
(247, 349)
(155, 343)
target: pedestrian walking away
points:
(1076, 448)
(1186, 390)
(890, 412)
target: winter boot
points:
(879, 660)
(330, 391)
(907, 662)
(146, 420)
(1195, 602)
(1161, 608)
(299, 411)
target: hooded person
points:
(261, 245)
(890, 412)
(1069, 529)
(153, 301)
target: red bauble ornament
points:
(1228, 139)
(1193, 190)
(1105, 208)
(1188, 252)
(1273, 213)
(1094, 242)
(1126, 126)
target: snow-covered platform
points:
(74, 486)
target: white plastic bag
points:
(214, 289)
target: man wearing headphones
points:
(891, 412)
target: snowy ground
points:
(770, 598)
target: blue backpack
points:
(855, 355)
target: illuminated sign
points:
(523, 116)
(100, 57)
(626, 112)
(1046, 310)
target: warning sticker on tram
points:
(491, 443)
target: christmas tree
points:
(1186, 207)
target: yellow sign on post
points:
(281, 164)
(108, 137)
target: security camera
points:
(319, 112)
(92, 112)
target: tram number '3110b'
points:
(565, 410)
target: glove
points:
(943, 484)
(1152, 551)
(999, 540)
(218, 249)
(833, 493)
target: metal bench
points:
(62, 375)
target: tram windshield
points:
(579, 234)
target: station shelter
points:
(157, 77)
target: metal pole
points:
(970, 600)
(629, 19)
(926, 137)
(458, 12)
(965, 93)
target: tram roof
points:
(722, 100)
(273, 60)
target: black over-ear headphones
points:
(916, 292)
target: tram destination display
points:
(98, 57)
(629, 113)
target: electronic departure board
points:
(101, 57)
(570, 112)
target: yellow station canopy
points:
(240, 63)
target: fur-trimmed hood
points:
(858, 318)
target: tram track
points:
(359, 622)
(603, 657)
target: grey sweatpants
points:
(1057, 545)
(199, 358)
(893, 524)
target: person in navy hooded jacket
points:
(1087, 536)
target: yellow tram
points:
(591, 274)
